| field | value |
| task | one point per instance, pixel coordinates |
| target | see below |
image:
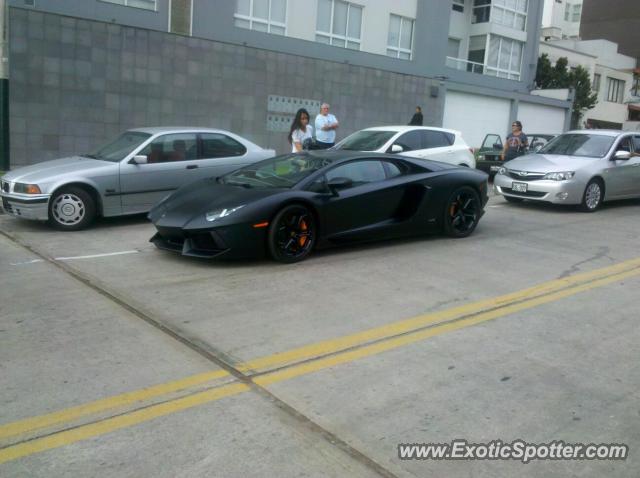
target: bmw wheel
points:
(71, 209)
(593, 196)
(462, 212)
(292, 234)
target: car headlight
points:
(563, 176)
(220, 213)
(504, 171)
(26, 188)
(481, 157)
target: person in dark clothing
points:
(416, 119)
(516, 143)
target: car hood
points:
(548, 163)
(45, 171)
(190, 203)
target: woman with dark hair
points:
(516, 143)
(301, 133)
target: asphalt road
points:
(117, 359)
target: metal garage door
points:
(476, 115)
(541, 119)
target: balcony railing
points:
(465, 65)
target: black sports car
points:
(291, 204)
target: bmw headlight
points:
(220, 213)
(504, 171)
(26, 188)
(481, 157)
(563, 176)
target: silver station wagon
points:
(126, 176)
(579, 167)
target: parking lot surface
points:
(117, 359)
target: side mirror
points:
(337, 184)
(396, 148)
(622, 155)
(138, 159)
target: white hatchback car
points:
(425, 142)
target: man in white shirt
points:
(326, 125)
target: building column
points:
(4, 85)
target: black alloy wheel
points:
(462, 212)
(292, 234)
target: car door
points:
(621, 172)
(634, 176)
(410, 142)
(172, 160)
(220, 154)
(371, 200)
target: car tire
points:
(292, 234)
(512, 199)
(592, 196)
(462, 212)
(71, 209)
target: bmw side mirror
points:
(396, 148)
(337, 184)
(622, 155)
(138, 159)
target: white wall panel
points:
(541, 118)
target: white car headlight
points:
(220, 213)
(563, 176)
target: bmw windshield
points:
(582, 145)
(365, 140)
(120, 148)
(279, 172)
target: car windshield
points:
(279, 172)
(583, 145)
(120, 148)
(365, 140)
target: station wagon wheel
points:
(462, 212)
(71, 209)
(292, 234)
(593, 196)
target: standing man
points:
(326, 125)
(416, 120)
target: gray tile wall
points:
(76, 83)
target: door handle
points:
(192, 166)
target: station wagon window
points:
(625, 144)
(410, 141)
(360, 172)
(215, 145)
(172, 147)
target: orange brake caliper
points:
(303, 239)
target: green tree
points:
(559, 76)
(585, 98)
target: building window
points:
(635, 88)
(510, 13)
(180, 16)
(576, 11)
(146, 4)
(615, 90)
(453, 48)
(481, 11)
(339, 24)
(458, 6)
(567, 12)
(399, 40)
(268, 16)
(596, 82)
(477, 50)
(505, 57)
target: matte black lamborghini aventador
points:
(288, 205)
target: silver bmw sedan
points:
(579, 167)
(126, 176)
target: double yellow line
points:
(293, 363)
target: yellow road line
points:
(115, 423)
(74, 413)
(504, 305)
(341, 343)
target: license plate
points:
(519, 187)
